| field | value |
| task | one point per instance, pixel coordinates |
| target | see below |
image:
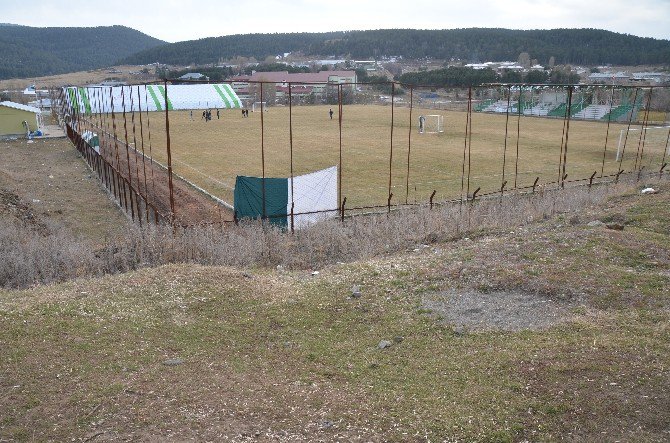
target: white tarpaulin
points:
(313, 192)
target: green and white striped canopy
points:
(97, 99)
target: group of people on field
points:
(207, 114)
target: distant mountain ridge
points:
(576, 46)
(31, 52)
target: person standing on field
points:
(330, 112)
(217, 113)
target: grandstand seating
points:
(592, 112)
(558, 111)
(479, 107)
(618, 112)
(540, 110)
(500, 106)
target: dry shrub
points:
(253, 243)
(29, 257)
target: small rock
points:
(398, 339)
(315, 273)
(595, 223)
(280, 268)
(173, 362)
(245, 275)
(326, 424)
(459, 330)
(615, 226)
(384, 344)
(649, 191)
(574, 220)
(355, 291)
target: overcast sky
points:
(174, 20)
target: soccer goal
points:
(258, 106)
(432, 124)
(655, 139)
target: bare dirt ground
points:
(498, 310)
(47, 181)
(151, 180)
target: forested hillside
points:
(576, 46)
(29, 52)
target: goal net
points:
(654, 138)
(431, 124)
(259, 106)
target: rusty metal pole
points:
(290, 138)
(135, 153)
(144, 157)
(169, 153)
(465, 146)
(567, 135)
(263, 156)
(504, 162)
(630, 120)
(643, 132)
(339, 124)
(97, 101)
(607, 133)
(409, 140)
(665, 153)
(390, 194)
(560, 154)
(116, 147)
(469, 141)
(125, 128)
(518, 136)
(151, 154)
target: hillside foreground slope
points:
(554, 330)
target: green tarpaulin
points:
(249, 198)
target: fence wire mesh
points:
(179, 164)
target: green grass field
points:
(212, 154)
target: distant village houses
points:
(302, 84)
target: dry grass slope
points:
(253, 353)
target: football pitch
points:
(212, 153)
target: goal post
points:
(654, 137)
(431, 124)
(259, 106)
